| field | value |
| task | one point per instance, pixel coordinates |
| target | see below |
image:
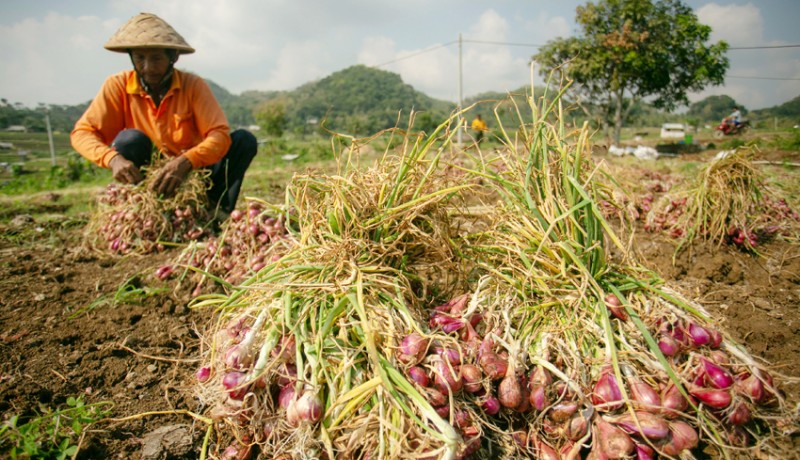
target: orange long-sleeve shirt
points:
(189, 120)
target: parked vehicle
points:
(729, 129)
(673, 131)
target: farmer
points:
(479, 126)
(156, 104)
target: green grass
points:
(68, 190)
(52, 434)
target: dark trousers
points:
(226, 175)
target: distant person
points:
(156, 104)
(479, 126)
(735, 118)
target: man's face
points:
(151, 64)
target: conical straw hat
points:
(146, 30)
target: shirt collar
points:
(133, 86)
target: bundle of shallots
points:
(131, 219)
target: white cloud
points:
(545, 27)
(434, 73)
(297, 63)
(52, 59)
(487, 63)
(374, 50)
(739, 25)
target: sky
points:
(53, 53)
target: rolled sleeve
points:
(100, 123)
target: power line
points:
(765, 47)
(485, 42)
(763, 78)
(428, 50)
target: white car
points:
(673, 131)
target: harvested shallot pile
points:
(239, 250)
(400, 324)
(131, 219)
(729, 202)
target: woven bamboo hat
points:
(146, 30)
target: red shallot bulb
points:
(606, 391)
(233, 382)
(286, 396)
(203, 374)
(413, 348)
(540, 376)
(668, 345)
(643, 424)
(238, 356)
(698, 334)
(644, 394)
(682, 437)
(451, 355)
(739, 413)
(436, 397)
(285, 351)
(715, 338)
(716, 375)
(644, 452)
(309, 407)
(711, 397)
(538, 397)
(493, 365)
(545, 452)
(750, 386)
(509, 391)
(577, 427)
(472, 378)
(446, 377)
(285, 374)
(672, 401)
(491, 405)
(419, 376)
(562, 411)
(616, 308)
(612, 441)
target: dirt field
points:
(142, 354)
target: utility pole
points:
(460, 88)
(50, 135)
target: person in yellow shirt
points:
(479, 126)
(156, 105)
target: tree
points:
(271, 117)
(630, 50)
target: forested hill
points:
(789, 109)
(358, 99)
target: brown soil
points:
(142, 354)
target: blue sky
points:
(53, 49)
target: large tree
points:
(629, 50)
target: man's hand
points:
(171, 176)
(124, 171)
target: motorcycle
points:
(730, 129)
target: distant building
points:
(17, 129)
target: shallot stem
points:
(263, 354)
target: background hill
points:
(361, 100)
